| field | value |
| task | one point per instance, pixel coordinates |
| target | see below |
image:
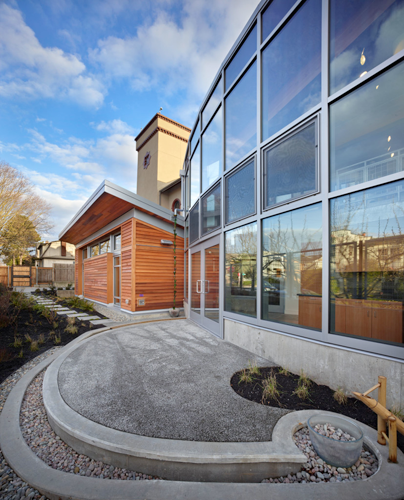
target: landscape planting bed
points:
(320, 397)
(29, 334)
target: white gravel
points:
(317, 471)
(40, 437)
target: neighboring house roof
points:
(170, 185)
(106, 204)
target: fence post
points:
(381, 397)
(392, 440)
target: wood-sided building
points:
(124, 251)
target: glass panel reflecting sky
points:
(367, 131)
(243, 55)
(292, 267)
(212, 151)
(211, 210)
(291, 167)
(241, 118)
(274, 14)
(240, 193)
(291, 70)
(195, 176)
(367, 263)
(241, 270)
(195, 137)
(364, 33)
(212, 104)
(194, 223)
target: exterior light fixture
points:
(389, 138)
(363, 58)
(377, 86)
(166, 242)
(363, 74)
(392, 154)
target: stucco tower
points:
(161, 147)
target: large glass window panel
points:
(195, 137)
(194, 223)
(291, 70)
(292, 267)
(212, 104)
(240, 193)
(243, 55)
(367, 131)
(105, 246)
(95, 250)
(367, 264)
(363, 34)
(212, 151)
(241, 118)
(211, 210)
(211, 283)
(290, 167)
(117, 242)
(241, 270)
(195, 176)
(274, 14)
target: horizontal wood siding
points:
(127, 254)
(95, 278)
(154, 268)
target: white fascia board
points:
(126, 195)
(97, 193)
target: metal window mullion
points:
(324, 167)
(258, 190)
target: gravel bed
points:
(47, 446)
(317, 471)
(11, 486)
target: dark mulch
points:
(30, 322)
(320, 397)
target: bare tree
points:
(17, 197)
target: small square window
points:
(291, 167)
(240, 193)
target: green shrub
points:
(78, 303)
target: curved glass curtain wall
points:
(296, 140)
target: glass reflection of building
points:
(297, 159)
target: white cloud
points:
(40, 119)
(114, 127)
(174, 55)
(112, 157)
(30, 70)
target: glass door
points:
(205, 288)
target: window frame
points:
(229, 174)
(294, 131)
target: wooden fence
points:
(63, 273)
(4, 275)
(36, 276)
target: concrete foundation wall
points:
(325, 364)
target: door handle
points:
(197, 288)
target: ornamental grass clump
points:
(245, 377)
(303, 384)
(270, 388)
(340, 396)
(253, 368)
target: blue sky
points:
(79, 79)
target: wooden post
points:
(379, 409)
(381, 423)
(392, 439)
